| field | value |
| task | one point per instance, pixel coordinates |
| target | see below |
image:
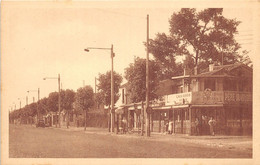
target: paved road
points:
(31, 142)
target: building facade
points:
(223, 93)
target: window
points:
(210, 84)
(245, 86)
(230, 85)
(179, 89)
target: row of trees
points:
(80, 101)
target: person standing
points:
(197, 126)
(124, 125)
(212, 124)
(166, 127)
(170, 127)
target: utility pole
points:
(222, 52)
(59, 97)
(147, 111)
(20, 104)
(112, 90)
(38, 104)
(95, 85)
(142, 119)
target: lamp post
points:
(112, 83)
(20, 103)
(38, 91)
(27, 100)
(14, 105)
(45, 78)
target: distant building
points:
(222, 92)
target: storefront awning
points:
(211, 105)
(170, 107)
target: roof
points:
(223, 71)
(180, 77)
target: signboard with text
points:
(178, 99)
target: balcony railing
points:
(208, 98)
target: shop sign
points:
(158, 102)
(178, 99)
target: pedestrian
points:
(131, 123)
(166, 127)
(124, 125)
(197, 126)
(212, 124)
(170, 127)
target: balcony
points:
(208, 98)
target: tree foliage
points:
(104, 87)
(165, 49)
(43, 106)
(52, 102)
(47, 104)
(135, 74)
(246, 59)
(67, 99)
(32, 108)
(84, 98)
(204, 35)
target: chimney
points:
(211, 67)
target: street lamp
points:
(14, 105)
(38, 91)
(45, 78)
(112, 83)
(26, 99)
(20, 103)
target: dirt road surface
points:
(30, 142)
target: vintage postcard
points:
(150, 82)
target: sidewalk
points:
(218, 141)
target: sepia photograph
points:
(104, 82)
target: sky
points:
(46, 39)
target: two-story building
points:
(222, 92)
